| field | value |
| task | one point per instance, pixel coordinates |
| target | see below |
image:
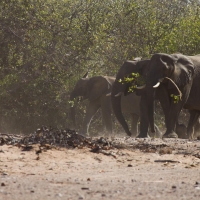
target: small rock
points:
(84, 188)
(59, 194)
(173, 186)
(3, 184)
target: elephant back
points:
(99, 86)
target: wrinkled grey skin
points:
(185, 72)
(141, 67)
(96, 90)
(135, 66)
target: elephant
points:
(175, 78)
(95, 89)
(119, 89)
(141, 67)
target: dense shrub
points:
(47, 45)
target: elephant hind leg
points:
(194, 115)
(106, 114)
(134, 124)
(197, 128)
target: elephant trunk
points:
(116, 104)
(72, 110)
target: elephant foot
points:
(170, 135)
(143, 136)
(128, 133)
(83, 134)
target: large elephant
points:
(177, 78)
(95, 89)
(119, 88)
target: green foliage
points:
(47, 45)
(132, 80)
(71, 103)
(175, 98)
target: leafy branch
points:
(176, 98)
(134, 79)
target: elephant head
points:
(79, 90)
(129, 67)
(174, 73)
(91, 89)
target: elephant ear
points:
(98, 86)
(180, 69)
(142, 67)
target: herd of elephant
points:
(173, 80)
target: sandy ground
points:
(155, 171)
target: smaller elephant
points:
(96, 90)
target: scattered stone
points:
(84, 188)
(3, 184)
(165, 150)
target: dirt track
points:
(138, 169)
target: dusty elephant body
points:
(121, 88)
(172, 76)
(141, 67)
(95, 89)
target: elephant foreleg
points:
(174, 112)
(106, 114)
(163, 96)
(91, 111)
(134, 124)
(144, 120)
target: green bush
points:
(47, 45)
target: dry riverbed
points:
(129, 169)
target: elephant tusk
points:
(156, 85)
(119, 94)
(141, 87)
(108, 95)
